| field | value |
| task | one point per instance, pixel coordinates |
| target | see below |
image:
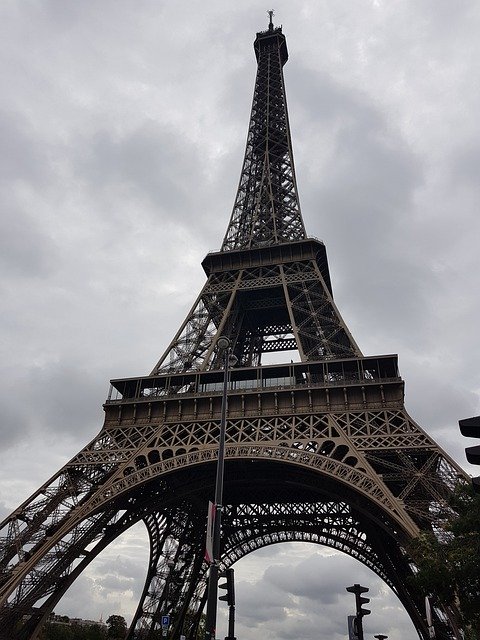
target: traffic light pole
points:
(211, 616)
(357, 589)
(231, 622)
(359, 627)
(229, 598)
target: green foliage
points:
(55, 631)
(450, 568)
(117, 627)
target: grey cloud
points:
(308, 590)
(115, 582)
(126, 128)
(151, 159)
(4, 511)
(67, 407)
(23, 156)
(62, 399)
(464, 167)
(319, 578)
(361, 202)
(26, 249)
(261, 603)
(14, 421)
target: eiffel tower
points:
(319, 450)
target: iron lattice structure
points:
(320, 450)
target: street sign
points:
(352, 628)
(165, 622)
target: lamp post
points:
(223, 344)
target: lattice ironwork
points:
(267, 210)
(321, 450)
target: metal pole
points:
(231, 622)
(357, 589)
(211, 618)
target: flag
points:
(210, 527)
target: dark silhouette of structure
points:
(320, 450)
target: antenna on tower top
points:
(270, 25)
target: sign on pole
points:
(428, 611)
(210, 526)
(352, 628)
(165, 622)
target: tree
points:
(448, 563)
(117, 627)
(56, 631)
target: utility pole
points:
(223, 344)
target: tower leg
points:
(175, 579)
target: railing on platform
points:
(325, 373)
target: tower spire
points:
(270, 25)
(267, 209)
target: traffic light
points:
(357, 589)
(361, 601)
(229, 585)
(470, 427)
(357, 625)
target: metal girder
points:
(322, 444)
(255, 307)
(267, 209)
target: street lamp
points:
(223, 344)
(380, 636)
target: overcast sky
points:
(122, 128)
